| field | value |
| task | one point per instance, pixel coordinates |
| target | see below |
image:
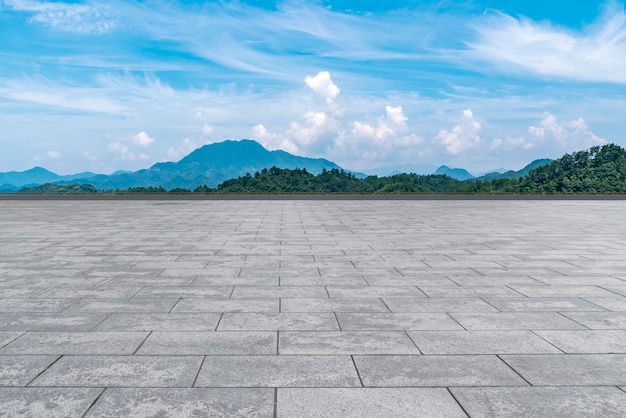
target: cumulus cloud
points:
(143, 139)
(463, 136)
(185, 147)
(67, 17)
(323, 86)
(572, 134)
(54, 155)
(122, 151)
(551, 135)
(596, 53)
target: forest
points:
(600, 169)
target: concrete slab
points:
(604, 341)
(428, 371)
(515, 321)
(121, 371)
(278, 371)
(209, 343)
(46, 402)
(56, 342)
(557, 402)
(345, 342)
(481, 342)
(570, 370)
(150, 402)
(367, 402)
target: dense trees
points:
(600, 169)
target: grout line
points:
(357, 371)
(94, 402)
(515, 371)
(457, 401)
(195, 379)
(144, 340)
(44, 370)
(219, 320)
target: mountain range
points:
(210, 165)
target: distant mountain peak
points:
(455, 173)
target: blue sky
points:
(479, 84)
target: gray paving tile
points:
(256, 292)
(121, 371)
(56, 342)
(557, 402)
(356, 281)
(563, 291)
(468, 291)
(374, 291)
(332, 305)
(227, 305)
(278, 371)
(345, 342)
(49, 322)
(18, 370)
(46, 402)
(542, 304)
(220, 280)
(160, 322)
(397, 321)
(515, 321)
(481, 342)
(612, 303)
(367, 402)
(35, 305)
(277, 321)
(209, 343)
(571, 369)
(150, 402)
(599, 320)
(123, 305)
(604, 341)
(438, 305)
(423, 371)
(587, 280)
(97, 293)
(184, 292)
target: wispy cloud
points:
(95, 18)
(596, 54)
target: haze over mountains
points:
(211, 165)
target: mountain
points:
(516, 174)
(13, 180)
(455, 173)
(401, 168)
(211, 164)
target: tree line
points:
(600, 169)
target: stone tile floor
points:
(313, 308)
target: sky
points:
(108, 85)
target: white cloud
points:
(596, 53)
(185, 147)
(89, 156)
(54, 155)
(143, 139)
(463, 136)
(67, 17)
(323, 86)
(122, 151)
(570, 135)
(273, 141)
(207, 130)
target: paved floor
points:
(313, 308)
